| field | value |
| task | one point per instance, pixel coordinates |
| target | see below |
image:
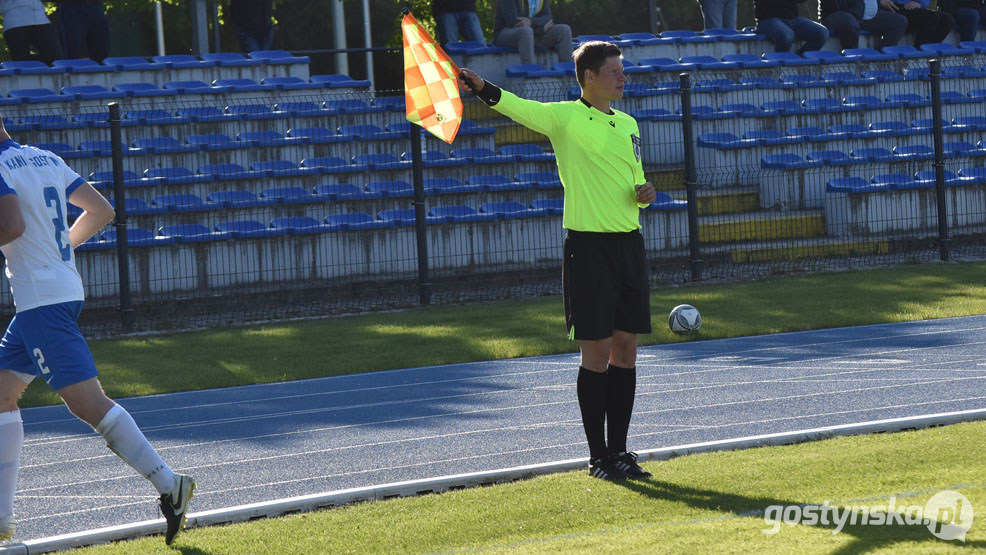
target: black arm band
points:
(490, 94)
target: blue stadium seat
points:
(498, 183)
(946, 49)
(458, 213)
(842, 130)
(531, 71)
(332, 164)
(230, 59)
(959, 148)
(505, 209)
(99, 119)
(368, 132)
(46, 122)
(665, 64)
(846, 78)
(974, 175)
(956, 97)
(569, 67)
(268, 138)
(717, 140)
(751, 61)
(163, 145)
(445, 185)
(391, 103)
(104, 179)
(244, 229)
(341, 191)
(356, 220)
(282, 168)
(133, 63)
(391, 188)
(785, 107)
(136, 237)
(237, 199)
(480, 156)
(830, 157)
(179, 202)
(433, 159)
(927, 178)
(897, 128)
(733, 35)
(914, 152)
(286, 195)
(228, 171)
(742, 110)
(786, 161)
(137, 207)
(883, 75)
(339, 81)
(824, 105)
(917, 74)
(906, 52)
(215, 141)
(143, 89)
(908, 99)
(802, 81)
(771, 137)
(296, 225)
(191, 233)
(105, 148)
(154, 117)
(278, 57)
(404, 128)
(686, 36)
(183, 61)
(241, 85)
(206, 114)
(351, 106)
(852, 185)
(38, 95)
(195, 87)
(761, 82)
(978, 45)
(527, 153)
(868, 55)
(319, 135)
(789, 59)
(254, 112)
(31, 67)
(827, 57)
(178, 176)
(552, 206)
(808, 133)
(540, 180)
(707, 62)
(381, 161)
(91, 92)
(894, 181)
(64, 150)
(926, 124)
(299, 108)
(406, 217)
(871, 155)
(864, 102)
(467, 127)
(290, 83)
(665, 202)
(82, 65)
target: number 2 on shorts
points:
(41, 361)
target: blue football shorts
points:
(46, 341)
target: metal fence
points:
(256, 206)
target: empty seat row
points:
(903, 181)
(137, 63)
(868, 155)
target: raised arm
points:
(534, 115)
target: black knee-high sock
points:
(591, 387)
(619, 405)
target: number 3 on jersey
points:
(52, 200)
(41, 361)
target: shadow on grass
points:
(866, 537)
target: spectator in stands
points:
(967, 15)
(454, 18)
(84, 28)
(779, 20)
(526, 24)
(927, 25)
(719, 14)
(844, 19)
(252, 24)
(25, 25)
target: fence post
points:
(944, 243)
(695, 255)
(119, 200)
(424, 284)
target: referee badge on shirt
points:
(636, 146)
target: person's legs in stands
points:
(19, 43)
(73, 26)
(712, 11)
(729, 14)
(98, 38)
(814, 35)
(268, 38)
(560, 37)
(45, 40)
(889, 27)
(945, 25)
(777, 32)
(845, 26)
(520, 37)
(469, 26)
(967, 20)
(447, 28)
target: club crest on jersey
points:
(636, 146)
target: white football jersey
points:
(41, 262)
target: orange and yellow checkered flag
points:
(431, 92)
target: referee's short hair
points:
(592, 55)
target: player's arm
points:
(97, 213)
(534, 115)
(11, 218)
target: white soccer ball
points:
(684, 318)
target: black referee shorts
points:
(605, 280)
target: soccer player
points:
(604, 271)
(43, 338)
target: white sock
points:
(125, 439)
(11, 440)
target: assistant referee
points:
(604, 272)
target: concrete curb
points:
(461, 481)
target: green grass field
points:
(693, 504)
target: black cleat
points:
(627, 463)
(606, 470)
(175, 505)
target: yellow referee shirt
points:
(598, 158)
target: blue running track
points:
(267, 442)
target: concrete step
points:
(761, 226)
